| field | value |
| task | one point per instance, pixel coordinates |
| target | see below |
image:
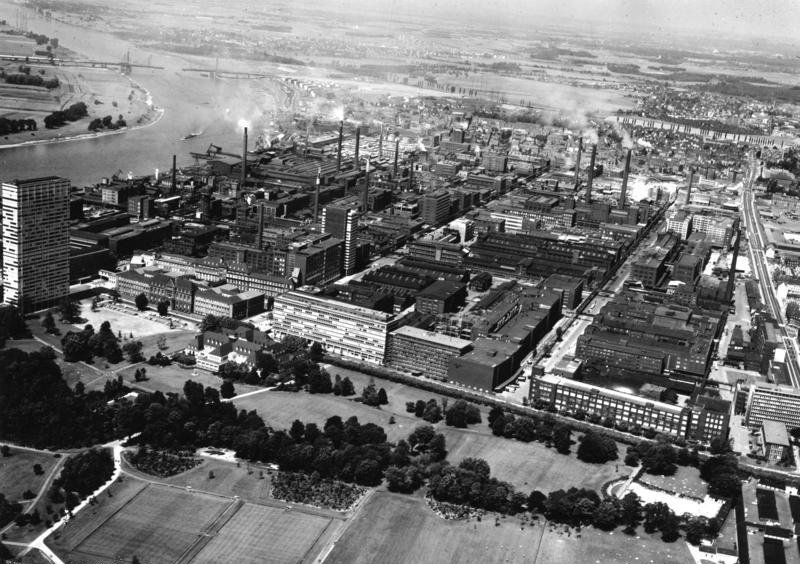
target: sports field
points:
(16, 472)
(530, 466)
(157, 526)
(258, 534)
(397, 529)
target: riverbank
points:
(149, 116)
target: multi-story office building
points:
(771, 402)
(680, 222)
(570, 287)
(424, 352)
(435, 207)
(703, 421)
(342, 328)
(35, 242)
(341, 223)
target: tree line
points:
(73, 113)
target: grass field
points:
(229, 480)
(157, 525)
(530, 466)
(265, 535)
(280, 409)
(685, 481)
(16, 472)
(399, 529)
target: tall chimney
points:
(578, 163)
(396, 153)
(316, 197)
(380, 143)
(689, 188)
(411, 173)
(174, 183)
(590, 175)
(339, 150)
(365, 194)
(260, 232)
(244, 158)
(623, 195)
(358, 142)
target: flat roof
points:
(775, 432)
(432, 337)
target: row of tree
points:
(107, 122)
(73, 113)
(84, 345)
(11, 126)
(32, 80)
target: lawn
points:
(529, 466)
(258, 534)
(392, 528)
(157, 525)
(685, 481)
(280, 409)
(172, 378)
(16, 472)
(229, 480)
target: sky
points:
(759, 18)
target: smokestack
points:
(411, 173)
(590, 176)
(623, 195)
(174, 173)
(578, 163)
(365, 194)
(244, 158)
(689, 188)
(260, 232)
(339, 151)
(316, 198)
(358, 142)
(396, 154)
(380, 143)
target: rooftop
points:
(775, 432)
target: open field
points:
(280, 409)
(685, 481)
(157, 525)
(171, 378)
(259, 534)
(16, 472)
(530, 466)
(398, 529)
(229, 480)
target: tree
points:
(69, 310)
(695, 530)
(562, 438)
(141, 302)
(719, 445)
(461, 414)
(347, 387)
(630, 512)
(226, 390)
(670, 531)
(162, 308)
(382, 397)
(161, 343)
(319, 382)
(48, 323)
(369, 395)
(432, 413)
(597, 448)
(134, 351)
(315, 352)
(37, 469)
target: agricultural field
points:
(530, 466)
(157, 525)
(16, 472)
(399, 529)
(258, 534)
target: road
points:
(756, 237)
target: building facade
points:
(423, 352)
(35, 242)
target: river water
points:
(191, 103)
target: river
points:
(191, 103)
